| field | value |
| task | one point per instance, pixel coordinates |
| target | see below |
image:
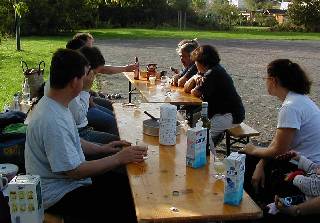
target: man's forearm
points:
(90, 148)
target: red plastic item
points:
(292, 175)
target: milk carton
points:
(196, 146)
(233, 185)
(25, 199)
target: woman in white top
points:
(298, 128)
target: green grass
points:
(36, 49)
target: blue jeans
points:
(96, 137)
(102, 119)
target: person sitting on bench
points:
(71, 186)
(215, 86)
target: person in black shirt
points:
(215, 86)
(185, 47)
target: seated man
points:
(56, 153)
(185, 47)
(79, 105)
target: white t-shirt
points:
(301, 113)
(78, 106)
(52, 147)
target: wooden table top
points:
(155, 94)
(163, 181)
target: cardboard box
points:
(196, 147)
(25, 199)
(233, 186)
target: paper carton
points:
(25, 199)
(233, 186)
(196, 147)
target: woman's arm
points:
(189, 85)
(108, 69)
(280, 144)
(309, 207)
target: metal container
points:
(151, 127)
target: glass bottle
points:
(206, 123)
(16, 103)
(25, 92)
(136, 70)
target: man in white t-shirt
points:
(56, 153)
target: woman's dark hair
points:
(66, 64)
(206, 55)
(290, 75)
(93, 55)
(75, 44)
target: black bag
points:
(11, 117)
(34, 77)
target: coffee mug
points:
(3, 182)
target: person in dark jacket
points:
(215, 86)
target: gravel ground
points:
(245, 60)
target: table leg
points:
(130, 92)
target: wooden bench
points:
(239, 134)
(50, 218)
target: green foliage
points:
(20, 8)
(258, 4)
(182, 5)
(6, 17)
(306, 14)
(54, 16)
(265, 20)
(223, 16)
(199, 5)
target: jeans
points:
(102, 119)
(103, 102)
(90, 135)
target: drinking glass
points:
(163, 80)
(137, 103)
(182, 117)
(219, 167)
(140, 142)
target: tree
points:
(199, 5)
(305, 13)
(20, 9)
(257, 4)
(181, 6)
(223, 15)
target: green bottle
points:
(206, 123)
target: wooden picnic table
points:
(156, 94)
(164, 188)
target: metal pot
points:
(151, 127)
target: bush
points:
(51, 17)
(6, 18)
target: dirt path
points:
(244, 60)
